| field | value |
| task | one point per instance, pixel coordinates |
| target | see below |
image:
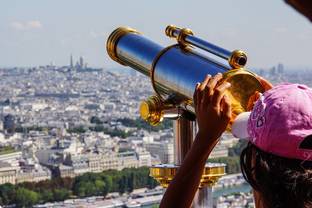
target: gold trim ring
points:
(182, 35)
(111, 44)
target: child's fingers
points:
(205, 82)
(195, 95)
(201, 90)
(209, 90)
(226, 107)
(218, 93)
(212, 84)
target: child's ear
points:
(306, 143)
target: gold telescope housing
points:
(154, 110)
(151, 110)
(175, 70)
(165, 173)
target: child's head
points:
(278, 159)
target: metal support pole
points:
(184, 134)
(203, 198)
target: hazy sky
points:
(38, 32)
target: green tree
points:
(7, 193)
(122, 185)
(151, 182)
(61, 194)
(131, 182)
(89, 184)
(46, 196)
(80, 190)
(95, 120)
(26, 198)
(97, 128)
(237, 149)
(90, 189)
(78, 130)
(232, 164)
(99, 186)
(85, 188)
(108, 184)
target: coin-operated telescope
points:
(174, 72)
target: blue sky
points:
(38, 32)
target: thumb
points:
(252, 100)
(265, 83)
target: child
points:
(277, 162)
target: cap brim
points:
(239, 126)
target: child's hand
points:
(252, 100)
(212, 107)
(265, 83)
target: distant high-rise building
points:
(81, 62)
(261, 72)
(273, 71)
(9, 123)
(280, 68)
(71, 61)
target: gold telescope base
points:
(165, 173)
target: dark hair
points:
(281, 182)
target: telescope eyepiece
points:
(238, 59)
(242, 61)
(170, 29)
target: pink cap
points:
(280, 122)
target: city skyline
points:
(70, 122)
(38, 33)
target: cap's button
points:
(302, 87)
